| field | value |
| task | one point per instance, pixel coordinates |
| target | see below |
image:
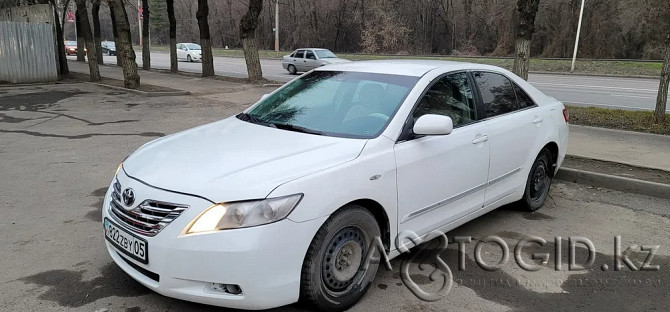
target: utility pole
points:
(139, 19)
(579, 30)
(277, 26)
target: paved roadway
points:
(598, 91)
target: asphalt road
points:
(598, 91)
(61, 144)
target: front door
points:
(443, 178)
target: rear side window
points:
(522, 97)
(498, 95)
(300, 54)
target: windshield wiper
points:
(254, 120)
(297, 129)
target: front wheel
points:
(189, 59)
(335, 273)
(538, 183)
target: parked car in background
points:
(70, 47)
(282, 202)
(303, 60)
(108, 47)
(190, 52)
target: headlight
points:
(235, 215)
(118, 169)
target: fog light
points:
(225, 288)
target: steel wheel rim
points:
(343, 258)
(538, 181)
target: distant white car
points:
(190, 52)
(283, 201)
(303, 60)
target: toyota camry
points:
(283, 201)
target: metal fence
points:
(27, 52)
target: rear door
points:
(299, 60)
(514, 129)
(180, 51)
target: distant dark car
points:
(70, 47)
(108, 47)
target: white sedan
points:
(283, 201)
(190, 52)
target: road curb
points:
(614, 182)
(142, 93)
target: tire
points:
(188, 58)
(109, 52)
(292, 70)
(538, 183)
(331, 285)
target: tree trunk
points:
(95, 12)
(115, 34)
(174, 67)
(131, 79)
(85, 30)
(248, 26)
(146, 42)
(205, 42)
(524, 34)
(81, 43)
(60, 46)
(662, 98)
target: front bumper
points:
(265, 261)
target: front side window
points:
(334, 103)
(310, 55)
(450, 96)
(497, 93)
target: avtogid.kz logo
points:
(428, 250)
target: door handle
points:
(480, 139)
(537, 120)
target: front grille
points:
(148, 218)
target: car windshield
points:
(70, 43)
(110, 44)
(193, 46)
(334, 103)
(325, 54)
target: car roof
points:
(311, 49)
(405, 67)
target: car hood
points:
(235, 160)
(335, 60)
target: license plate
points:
(131, 245)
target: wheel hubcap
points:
(343, 259)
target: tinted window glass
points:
(310, 55)
(522, 97)
(450, 96)
(335, 103)
(300, 54)
(497, 94)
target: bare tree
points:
(95, 15)
(527, 11)
(81, 44)
(248, 26)
(85, 29)
(174, 67)
(205, 42)
(63, 68)
(662, 98)
(131, 79)
(115, 34)
(146, 42)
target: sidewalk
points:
(625, 147)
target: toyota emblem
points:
(128, 197)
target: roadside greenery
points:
(640, 121)
(625, 68)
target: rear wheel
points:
(335, 274)
(538, 183)
(292, 70)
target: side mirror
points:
(431, 124)
(265, 96)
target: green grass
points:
(640, 121)
(625, 68)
